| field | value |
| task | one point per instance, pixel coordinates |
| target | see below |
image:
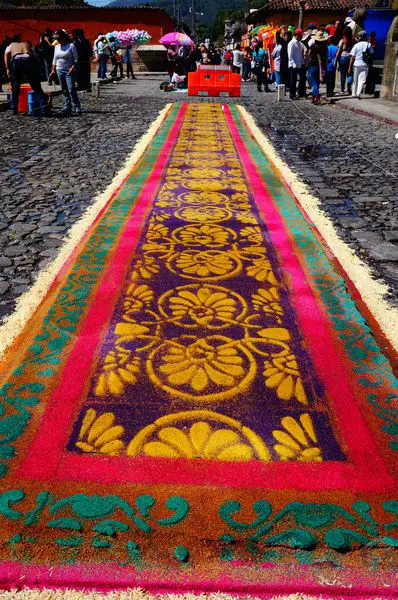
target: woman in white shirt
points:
(358, 63)
(64, 64)
(276, 55)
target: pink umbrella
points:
(177, 38)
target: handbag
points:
(367, 56)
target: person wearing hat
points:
(282, 38)
(317, 63)
(361, 57)
(295, 52)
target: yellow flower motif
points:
(156, 231)
(147, 267)
(203, 198)
(203, 184)
(100, 435)
(203, 235)
(199, 434)
(246, 217)
(205, 173)
(201, 364)
(205, 264)
(261, 270)
(201, 441)
(204, 306)
(137, 297)
(201, 214)
(117, 372)
(298, 441)
(281, 374)
(268, 301)
(253, 234)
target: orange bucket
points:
(23, 105)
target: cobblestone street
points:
(51, 169)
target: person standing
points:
(84, 56)
(344, 48)
(331, 67)
(316, 65)
(295, 60)
(103, 56)
(360, 58)
(237, 60)
(46, 50)
(64, 64)
(276, 56)
(260, 65)
(128, 61)
(246, 67)
(228, 56)
(370, 86)
(3, 72)
(284, 40)
(116, 57)
(22, 64)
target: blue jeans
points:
(69, 90)
(103, 61)
(277, 77)
(246, 70)
(314, 79)
(344, 62)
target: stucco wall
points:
(291, 18)
(31, 22)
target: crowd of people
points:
(298, 60)
(60, 59)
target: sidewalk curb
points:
(364, 113)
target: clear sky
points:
(98, 2)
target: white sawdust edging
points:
(371, 291)
(30, 300)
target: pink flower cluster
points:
(131, 36)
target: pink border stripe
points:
(107, 577)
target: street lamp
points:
(302, 3)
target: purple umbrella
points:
(177, 38)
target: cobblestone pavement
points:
(52, 168)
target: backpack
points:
(258, 64)
(367, 56)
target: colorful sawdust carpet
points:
(198, 403)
